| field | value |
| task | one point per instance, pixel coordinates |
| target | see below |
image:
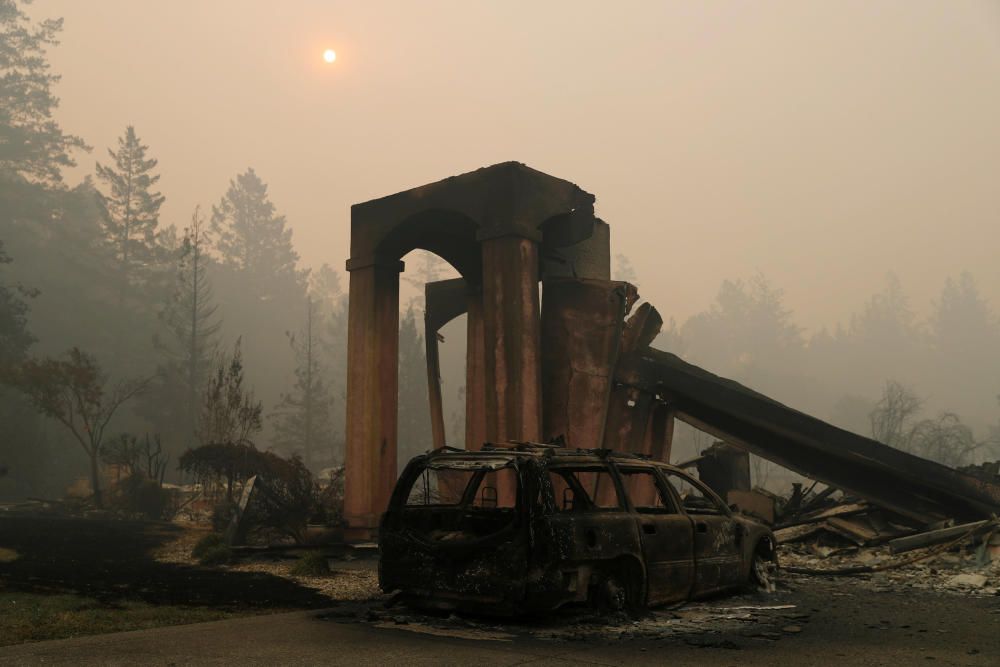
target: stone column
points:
(372, 393)
(512, 338)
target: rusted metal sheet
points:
(582, 323)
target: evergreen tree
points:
(747, 330)
(32, 145)
(962, 319)
(887, 317)
(427, 267)
(332, 307)
(251, 237)
(414, 404)
(190, 345)
(131, 207)
(624, 270)
(303, 419)
(15, 338)
(256, 276)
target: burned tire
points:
(763, 568)
(612, 594)
(617, 588)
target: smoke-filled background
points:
(807, 192)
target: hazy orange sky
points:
(822, 144)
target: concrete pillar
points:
(628, 419)
(475, 374)
(512, 338)
(372, 393)
(582, 323)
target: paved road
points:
(875, 630)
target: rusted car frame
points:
(531, 528)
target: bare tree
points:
(135, 457)
(890, 420)
(76, 393)
(945, 439)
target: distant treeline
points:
(93, 267)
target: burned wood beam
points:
(939, 536)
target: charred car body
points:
(527, 527)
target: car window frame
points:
(417, 468)
(589, 466)
(662, 484)
(698, 484)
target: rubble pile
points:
(832, 533)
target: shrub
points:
(313, 564)
(205, 544)
(220, 554)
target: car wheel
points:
(763, 570)
(612, 594)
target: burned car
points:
(525, 527)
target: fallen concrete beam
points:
(909, 485)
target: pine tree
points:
(191, 342)
(15, 338)
(426, 268)
(251, 237)
(962, 319)
(131, 208)
(303, 418)
(32, 145)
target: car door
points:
(717, 535)
(666, 535)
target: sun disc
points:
(329, 55)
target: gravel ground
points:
(349, 579)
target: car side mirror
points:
(734, 507)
